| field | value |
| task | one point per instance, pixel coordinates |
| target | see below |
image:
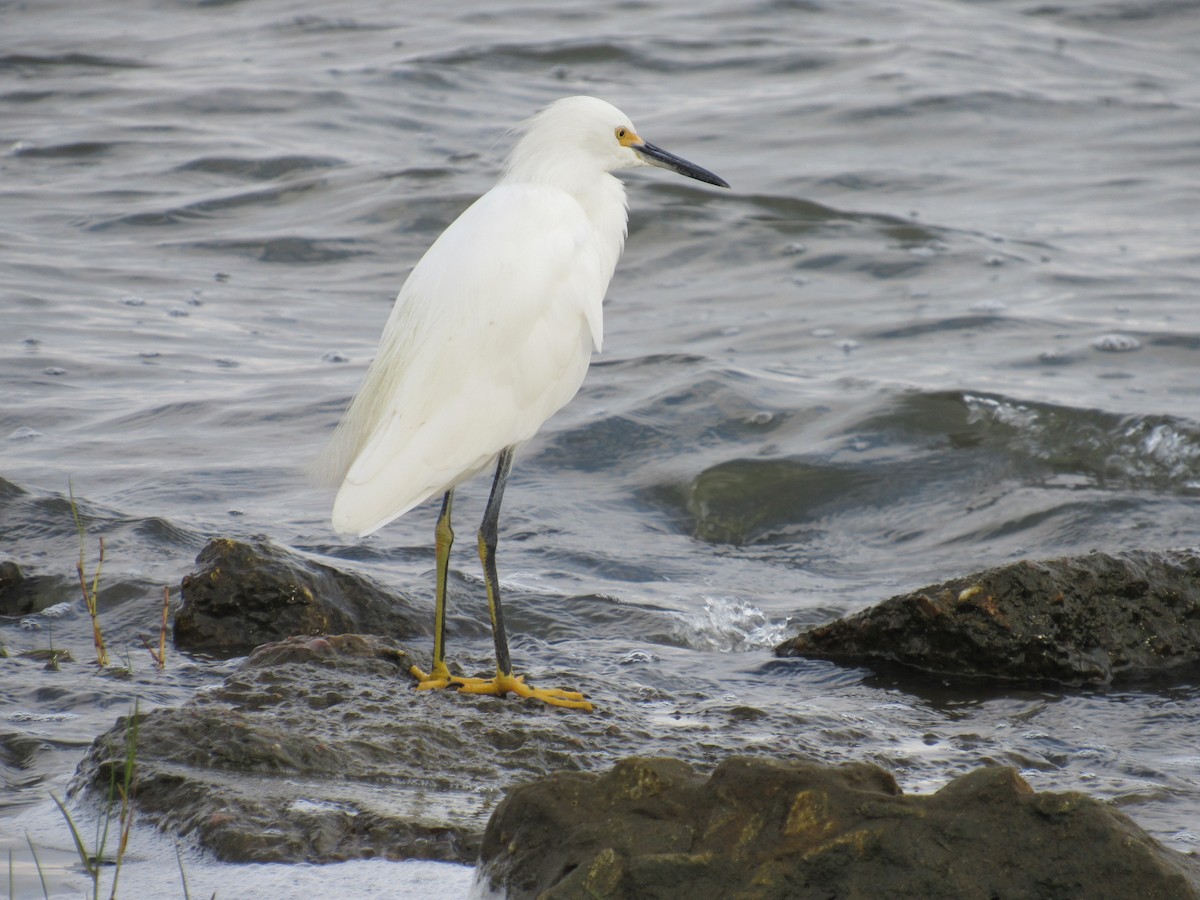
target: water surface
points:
(945, 319)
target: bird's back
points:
(490, 335)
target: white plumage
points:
(492, 332)
(494, 328)
(482, 347)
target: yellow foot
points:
(504, 684)
(437, 677)
(440, 677)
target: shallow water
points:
(945, 319)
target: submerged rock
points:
(241, 595)
(21, 594)
(15, 596)
(654, 828)
(1075, 620)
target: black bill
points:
(656, 156)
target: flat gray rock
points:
(320, 749)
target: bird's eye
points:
(626, 136)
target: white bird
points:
(490, 335)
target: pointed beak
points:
(656, 156)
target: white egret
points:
(490, 335)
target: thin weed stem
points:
(160, 655)
(162, 631)
(90, 596)
(125, 818)
(187, 895)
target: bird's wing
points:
(490, 335)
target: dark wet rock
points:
(1076, 621)
(743, 501)
(15, 597)
(320, 749)
(654, 828)
(241, 595)
(21, 594)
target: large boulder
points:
(244, 594)
(763, 829)
(1077, 620)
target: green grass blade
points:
(37, 864)
(93, 867)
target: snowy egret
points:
(490, 335)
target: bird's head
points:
(580, 136)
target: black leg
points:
(487, 554)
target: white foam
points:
(152, 869)
(728, 625)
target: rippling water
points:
(945, 319)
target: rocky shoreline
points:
(314, 750)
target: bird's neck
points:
(601, 196)
(603, 200)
